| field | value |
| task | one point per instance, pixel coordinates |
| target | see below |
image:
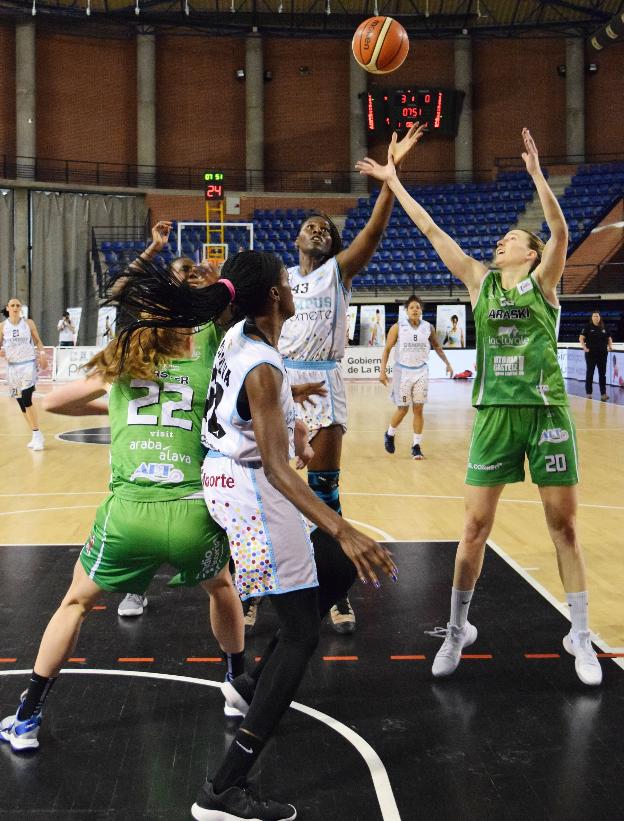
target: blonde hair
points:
(148, 349)
(535, 244)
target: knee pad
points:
(325, 484)
(26, 398)
(20, 402)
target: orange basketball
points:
(380, 45)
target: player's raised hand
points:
(371, 168)
(530, 155)
(160, 235)
(400, 148)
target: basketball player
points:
(313, 340)
(21, 344)
(521, 402)
(250, 489)
(155, 512)
(414, 337)
(133, 604)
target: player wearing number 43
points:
(521, 402)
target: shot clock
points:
(214, 186)
(397, 109)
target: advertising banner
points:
(372, 325)
(105, 326)
(351, 320)
(69, 361)
(365, 363)
(451, 326)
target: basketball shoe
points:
(237, 698)
(342, 617)
(417, 452)
(237, 804)
(21, 734)
(448, 656)
(586, 664)
(132, 604)
(389, 443)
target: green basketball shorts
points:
(503, 435)
(130, 540)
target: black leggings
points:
(336, 573)
(592, 359)
(25, 400)
(279, 676)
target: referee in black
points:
(596, 342)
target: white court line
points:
(47, 509)
(379, 775)
(385, 536)
(461, 498)
(58, 493)
(560, 606)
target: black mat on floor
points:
(506, 738)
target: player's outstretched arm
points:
(83, 397)
(549, 271)
(357, 256)
(468, 270)
(263, 385)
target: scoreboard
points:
(397, 109)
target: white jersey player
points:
(23, 349)
(269, 537)
(321, 285)
(414, 338)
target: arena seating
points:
(476, 214)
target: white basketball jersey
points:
(318, 330)
(17, 342)
(223, 429)
(413, 344)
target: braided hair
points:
(156, 298)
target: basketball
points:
(380, 45)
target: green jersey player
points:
(521, 404)
(155, 512)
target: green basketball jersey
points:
(516, 346)
(156, 450)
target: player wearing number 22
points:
(155, 513)
(521, 402)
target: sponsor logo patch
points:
(495, 466)
(158, 472)
(554, 435)
(508, 365)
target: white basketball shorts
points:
(410, 385)
(269, 538)
(328, 410)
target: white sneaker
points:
(448, 656)
(586, 664)
(132, 605)
(235, 705)
(36, 443)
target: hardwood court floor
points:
(50, 497)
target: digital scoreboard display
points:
(214, 185)
(397, 109)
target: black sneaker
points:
(238, 803)
(417, 452)
(342, 617)
(388, 442)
